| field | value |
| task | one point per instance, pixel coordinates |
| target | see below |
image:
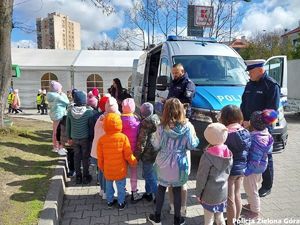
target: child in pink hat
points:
(131, 125)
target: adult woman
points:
(118, 92)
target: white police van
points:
(218, 72)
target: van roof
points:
(200, 48)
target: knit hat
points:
(80, 98)
(128, 105)
(111, 106)
(44, 91)
(55, 86)
(95, 92)
(92, 100)
(103, 101)
(146, 109)
(73, 91)
(260, 119)
(216, 133)
(39, 91)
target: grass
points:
(26, 164)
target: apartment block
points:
(57, 31)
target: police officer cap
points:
(251, 64)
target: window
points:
(164, 67)
(275, 69)
(94, 80)
(46, 79)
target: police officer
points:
(181, 87)
(261, 92)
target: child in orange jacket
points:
(114, 152)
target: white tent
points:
(73, 69)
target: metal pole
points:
(148, 24)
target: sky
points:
(258, 15)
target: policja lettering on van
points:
(230, 98)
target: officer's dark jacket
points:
(260, 95)
(183, 89)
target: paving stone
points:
(85, 221)
(100, 220)
(84, 207)
(71, 215)
(87, 213)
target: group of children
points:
(234, 156)
(117, 139)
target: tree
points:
(266, 44)
(6, 10)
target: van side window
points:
(164, 63)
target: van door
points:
(276, 67)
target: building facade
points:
(292, 36)
(57, 31)
(83, 70)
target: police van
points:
(218, 72)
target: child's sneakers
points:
(154, 219)
(62, 152)
(179, 220)
(135, 196)
(122, 206)
(111, 204)
(148, 197)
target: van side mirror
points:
(162, 83)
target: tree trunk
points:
(6, 7)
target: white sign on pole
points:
(204, 16)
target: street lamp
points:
(230, 21)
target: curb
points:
(51, 212)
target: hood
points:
(78, 111)
(220, 156)
(216, 97)
(240, 141)
(263, 138)
(177, 131)
(51, 96)
(112, 123)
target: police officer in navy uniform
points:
(181, 87)
(261, 92)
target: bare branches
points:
(105, 5)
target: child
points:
(58, 102)
(61, 136)
(10, 99)
(212, 175)
(114, 152)
(16, 102)
(39, 100)
(238, 141)
(145, 150)
(261, 145)
(130, 123)
(172, 139)
(44, 103)
(184, 187)
(78, 135)
(112, 107)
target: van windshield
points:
(214, 70)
